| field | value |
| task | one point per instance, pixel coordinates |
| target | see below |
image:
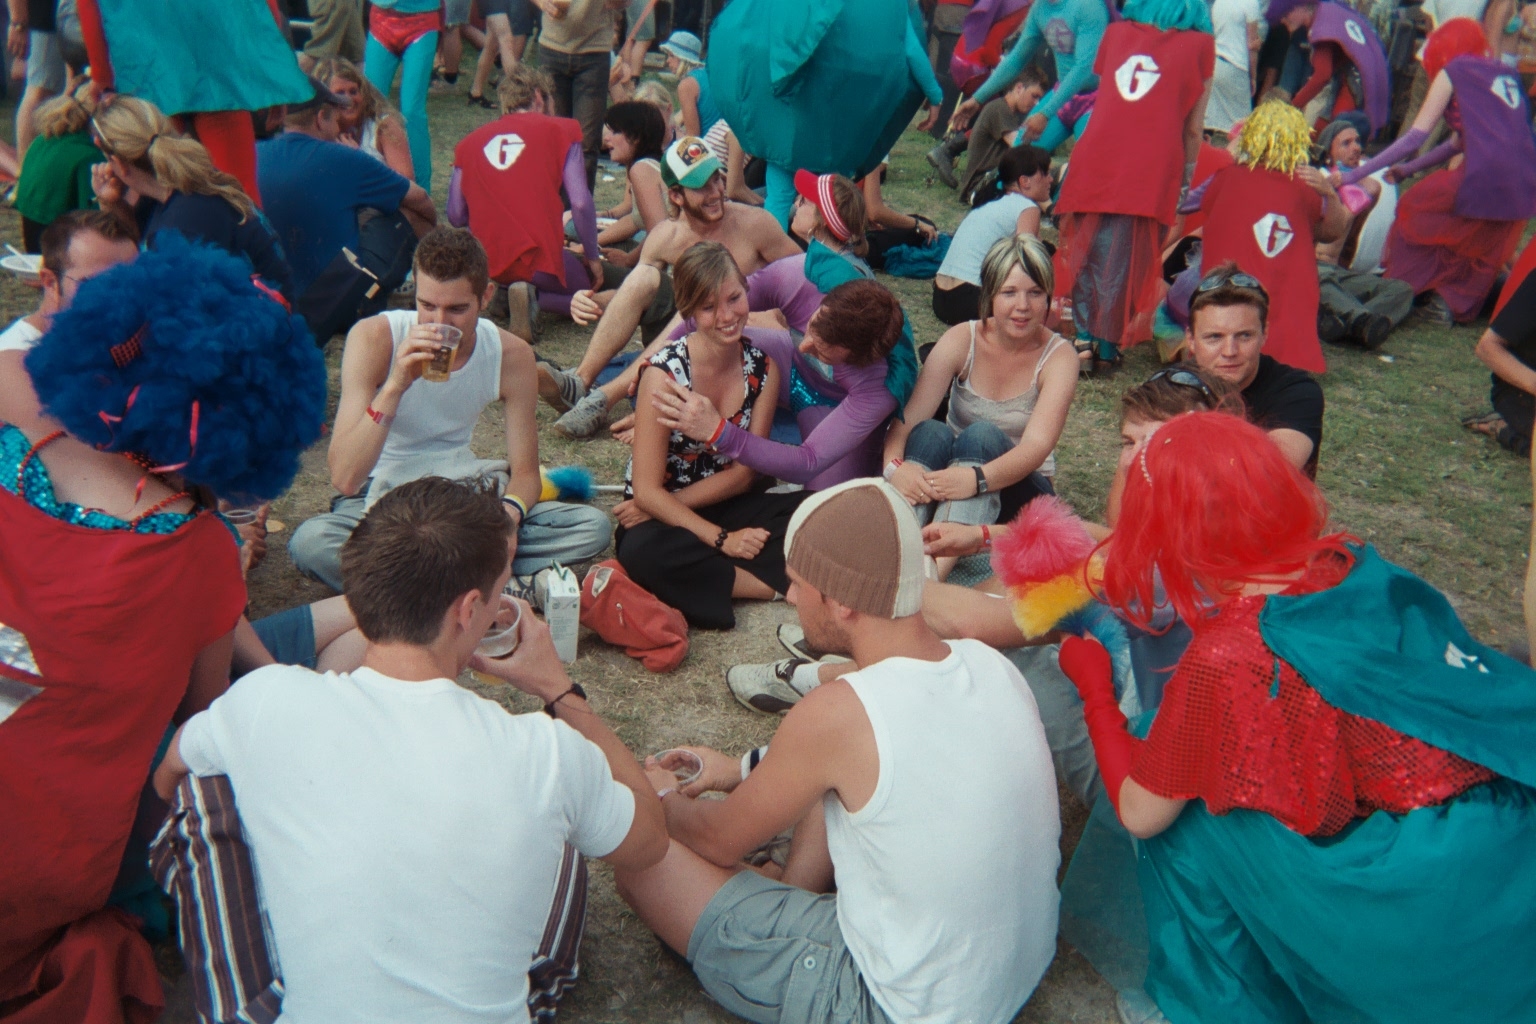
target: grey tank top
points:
(1010, 415)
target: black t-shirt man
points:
(1284, 397)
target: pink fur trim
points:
(1046, 540)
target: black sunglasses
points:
(1185, 379)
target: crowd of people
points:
(331, 828)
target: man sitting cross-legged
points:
(921, 779)
(392, 425)
(696, 186)
(417, 845)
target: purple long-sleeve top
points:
(863, 405)
(573, 176)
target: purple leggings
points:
(555, 297)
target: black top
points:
(1516, 324)
(213, 220)
(41, 15)
(1283, 397)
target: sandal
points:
(481, 101)
(1488, 424)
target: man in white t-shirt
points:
(921, 779)
(409, 839)
(76, 247)
(393, 425)
(1239, 28)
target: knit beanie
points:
(859, 544)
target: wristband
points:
(891, 467)
(716, 435)
(986, 537)
(549, 709)
(383, 419)
(750, 760)
(517, 503)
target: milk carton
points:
(560, 594)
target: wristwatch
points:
(549, 709)
(981, 480)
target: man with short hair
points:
(505, 188)
(414, 841)
(76, 247)
(392, 426)
(991, 135)
(695, 184)
(1228, 319)
(921, 779)
(1354, 307)
(318, 193)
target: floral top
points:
(690, 461)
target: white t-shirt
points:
(19, 337)
(1443, 11)
(406, 837)
(978, 232)
(946, 879)
(1230, 19)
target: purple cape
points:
(1500, 182)
(1336, 23)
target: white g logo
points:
(1507, 89)
(503, 150)
(1136, 77)
(1273, 233)
(1354, 31)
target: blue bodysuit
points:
(1072, 29)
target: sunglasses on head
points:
(1185, 379)
(1220, 278)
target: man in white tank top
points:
(393, 426)
(921, 781)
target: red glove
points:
(1087, 664)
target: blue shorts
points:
(289, 636)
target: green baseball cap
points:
(689, 163)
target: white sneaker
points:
(767, 688)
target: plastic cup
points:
(501, 639)
(685, 765)
(241, 516)
(448, 337)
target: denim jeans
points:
(553, 532)
(933, 445)
(581, 91)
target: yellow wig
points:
(1275, 137)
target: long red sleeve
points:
(1322, 74)
(1087, 664)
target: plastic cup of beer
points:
(685, 765)
(501, 639)
(241, 516)
(447, 344)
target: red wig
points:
(1211, 504)
(1458, 37)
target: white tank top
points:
(946, 879)
(369, 140)
(440, 418)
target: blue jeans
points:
(380, 66)
(553, 532)
(933, 445)
(581, 92)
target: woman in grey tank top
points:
(1009, 380)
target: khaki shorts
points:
(772, 953)
(338, 30)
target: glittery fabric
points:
(37, 489)
(803, 394)
(1239, 728)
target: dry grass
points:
(1397, 466)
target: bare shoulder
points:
(831, 709)
(950, 351)
(514, 350)
(370, 343)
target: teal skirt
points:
(1428, 916)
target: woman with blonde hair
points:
(178, 186)
(371, 123)
(696, 528)
(1010, 380)
(56, 176)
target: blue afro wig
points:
(215, 357)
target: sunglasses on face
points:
(1219, 278)
(1185, 379)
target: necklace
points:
(137, 459)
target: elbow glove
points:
(1406, 145)
(1087, 664)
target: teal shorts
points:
(773, 953)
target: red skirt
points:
(1110, 266)
(1433, 248)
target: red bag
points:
(627, 615)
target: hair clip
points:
(126, 352)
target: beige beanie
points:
(859, 544)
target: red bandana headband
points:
(828, 208)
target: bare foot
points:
(623, 430)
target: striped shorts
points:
(200, 858)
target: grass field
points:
(1396, 465)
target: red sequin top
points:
(1238, 727)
